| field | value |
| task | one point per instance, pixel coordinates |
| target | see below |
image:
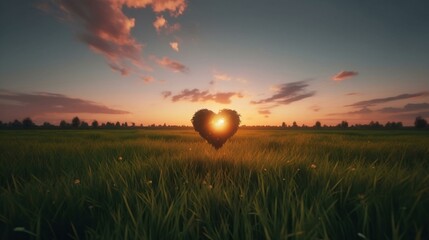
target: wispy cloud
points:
(344, 75)
(18, 105)
(159, 23)
(375, 101)
(315, 108)
(288, 93)
(407, 108)
(362, 111)
(221, 76)
(172, 64)
(265, 112)
(166, 94)
(175, 46)
(105, 28)
(147, 79)
(196, 95)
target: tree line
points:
(76, 123)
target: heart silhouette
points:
(216, 128)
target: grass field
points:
(148, 184)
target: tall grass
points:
(148, 184)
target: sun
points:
(219, 123)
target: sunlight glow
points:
(219, 124)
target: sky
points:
(160, 61)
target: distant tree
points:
(318, 125)
(27, 123)
(294, 125)
(63, 124)
(133, 124)
(15, 124)
(75, 122)
(47, 125)
(375, 125)
(420, 122)
(94, 124)
(283, 125)
(118, 124)
(110, 125)
(84, 124)
(393, 125)
(344, 124)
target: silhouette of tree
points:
(64, 124)
(283, 125)
(75, 122)
(47, 125)
(84, 124)
(16, 124)
(375, 125)
(294, 125)
(420, 122)
(344, 124)
(393, 125)
(94, 124)
(118, 124)
(318, 125)
(27, 123)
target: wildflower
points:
(313, 166)
(204, 182)
(149, 182)
(76, 181)
(352, 169)
(265, 169)
(120, 158)
(210, 186)
(284, 179)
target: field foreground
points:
(148, 184)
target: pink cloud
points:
(344, 75)
(264, 112)
(172, 64)
(174, 46)
(196, 95)
(19, 105)
(159, 23)
(148, 79)
(107, 30)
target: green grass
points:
(173, 185)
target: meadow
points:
(171, 184)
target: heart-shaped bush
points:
(216, 128)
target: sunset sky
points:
(159, 61)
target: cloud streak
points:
(18, 105)
(407, 108)
(288, 93)
(105, 28)
(219, 76)
(375, 101)
(344, 75)
(196, 95)
(172, 64)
